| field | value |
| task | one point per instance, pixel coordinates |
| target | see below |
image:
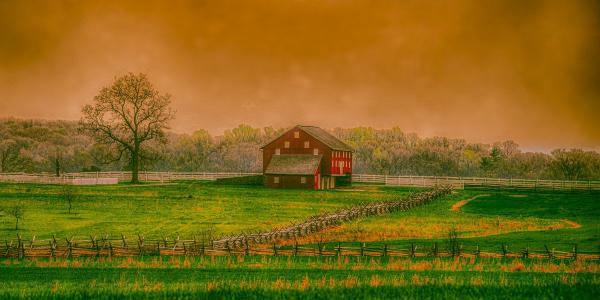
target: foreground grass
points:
(299, 277)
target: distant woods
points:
(59, 146)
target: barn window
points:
(306, 144)
(286, 144)
(316, 151)
(275, 179)
(296, 134)
(303, 180)
(277, 151)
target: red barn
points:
(307, 157)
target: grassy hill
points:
(488, 219)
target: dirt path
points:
(573, 225)
(459, 204)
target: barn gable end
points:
(290, 157)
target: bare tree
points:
(127, 114)
(18, 212)
(67, 193)
(570, 165)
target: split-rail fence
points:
(140, 246)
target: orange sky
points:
(480, 70)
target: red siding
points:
(341, 163)
(290, 181)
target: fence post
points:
(295, 248)
(477, 251)
(52, 249)
(385, 250)
(362, 249)
(550, 254)
(141, 244)
(20, 248)
(526, 252)
(339, 250)
(412, 250)
(274, 249)
(70, 245)
(575, 251)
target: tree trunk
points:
(135, 165)
(57, 167)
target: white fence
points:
(93, 178)
(97, 178)
(462, 182)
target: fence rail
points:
(462, 182)
(90, 178)
(139, 246)
(93, 178)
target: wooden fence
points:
(416, 181)
(139, 246)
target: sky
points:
(485, 71)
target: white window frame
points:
(306, 144)
(303, 180)
(276, 179)
(286, 144)
(277, 151)
(296, 134)
(315, 151)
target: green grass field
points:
(491, 217)
(299, 277)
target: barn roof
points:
(326, 138)
(323, 136)
(293, 164)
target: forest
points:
(61, 146)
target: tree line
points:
(61, 146)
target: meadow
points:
(517, 218)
